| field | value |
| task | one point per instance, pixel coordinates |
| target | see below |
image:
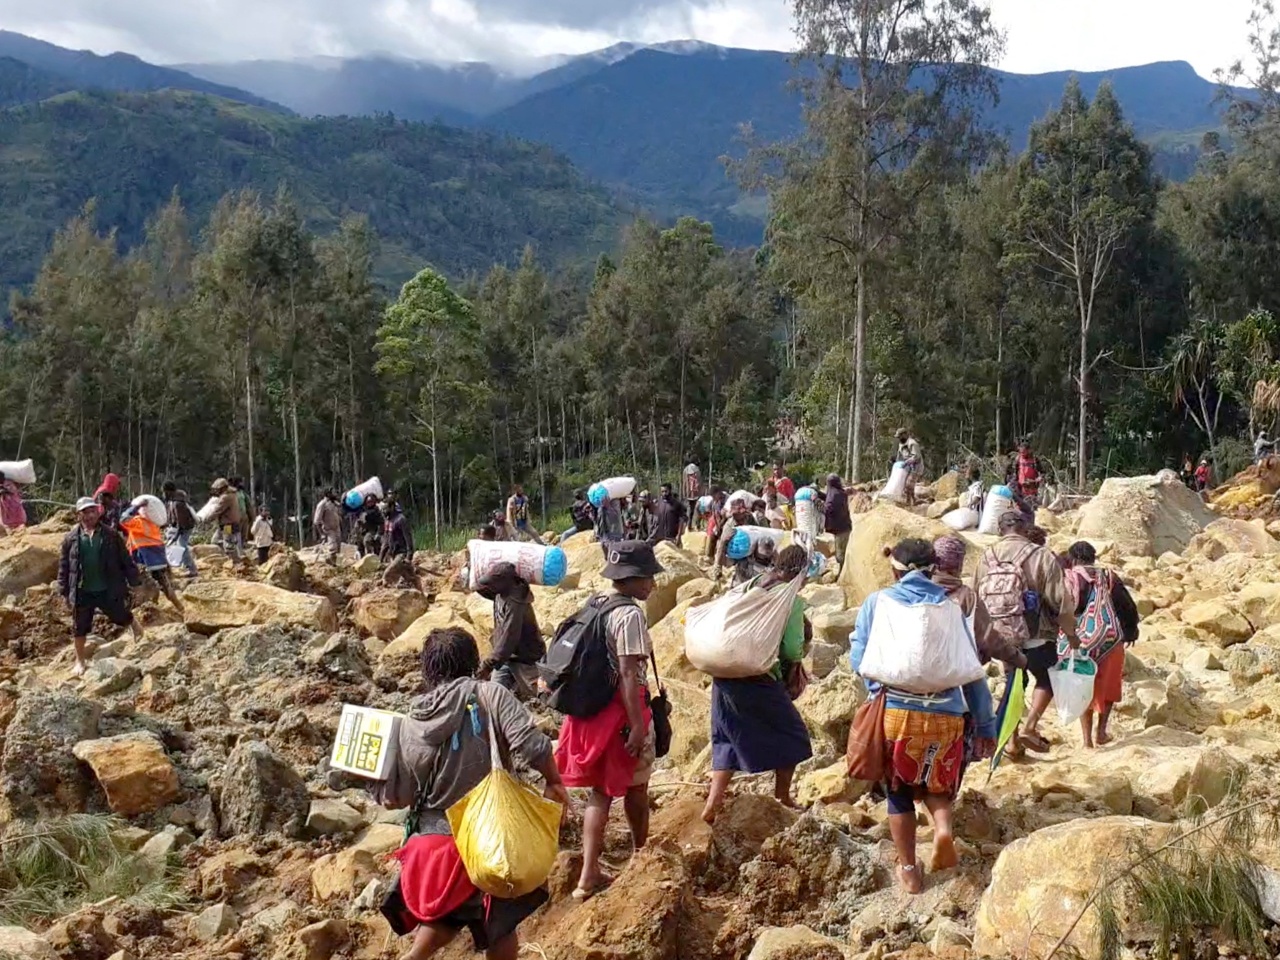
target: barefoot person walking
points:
(95, 573)
(924, 734)
(754, 725)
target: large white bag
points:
(1072, 681)
(806, 512)
(152, 508)
(962, 519)
(737, 495)
(615, 488)
(20, 472)
(545, 566)
(356, 496)
(896, 488)
(999, 501)
(738, 634)
(920, 648)
(208, 511)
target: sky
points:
(1042, 35)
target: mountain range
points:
(650, 123)
(655, 121)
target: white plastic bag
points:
(614, 488)
(738, 634)
(962, 519)
(920, 648)
(1072, 681)
(999, 501)
(21, 472)
(356, 496)
(896, 488)
(745, 495)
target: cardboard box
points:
(367, 742)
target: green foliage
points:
(459, 199)
(54, 867)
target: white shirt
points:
(262, 535)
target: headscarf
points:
(950, 552)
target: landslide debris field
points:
(173, 803)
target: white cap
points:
(84, 503)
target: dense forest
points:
(459, 199)
(914, 273)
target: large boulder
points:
(21, 944)
(1222, 622)
(828, 706)
(261, 794)
(691, 726)
(439, 617)
(866, 569)
(39, 774)
(387, 612)
(1248, 537)
(1260, 603)
(586, 560)
(1144, 516)
(213, 605)
(553, 607)
(1040, 884)
(28, 558)
(134, 770)
(678, 568)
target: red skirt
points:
(592, 751)
(433, 881)
(1108, 685)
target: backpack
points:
(183, 517)
(578, 668)
(1099, 626)
(1003, 592)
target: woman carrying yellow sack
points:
(444, 753)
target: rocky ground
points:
(208, 739)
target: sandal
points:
(583, 894)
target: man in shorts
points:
(613, 752)
(95, 573)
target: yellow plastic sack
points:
(507, 835)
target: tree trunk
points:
(999, 378)
(683, 366)
(435, 472)
(631, 436)
(1082, 441)
(859, 371)
(248, 415)
(297, 455)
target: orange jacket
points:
(142, 532)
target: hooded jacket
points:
(973, 698)
(835, 511)
(444, 748)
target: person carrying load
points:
(146, 546)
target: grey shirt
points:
(444, 747)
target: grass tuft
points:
(54, 867)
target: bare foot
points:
(909, 878)
(1104, 738)
(78, 670)
(1088, 745)
(787, 802)
(944, 853)
(709, 813)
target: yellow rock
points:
(866, 569)
(441, 617)
(678, 568)
(134, 770)
(343, 874)
(1223, 624)
(213, 605)
(1040, 884)
(386, 613)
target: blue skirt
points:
(755, 727)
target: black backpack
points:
(182, 516)
(578, 668)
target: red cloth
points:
(433, 881)
(786, 488)
(110, 484)
(1108, 685)
(592, 751)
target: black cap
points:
(629, 558)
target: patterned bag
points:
(1098, 627)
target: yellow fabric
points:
(507, 835)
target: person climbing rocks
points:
(95, 573)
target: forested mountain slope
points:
(456, 198)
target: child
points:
(262, 534)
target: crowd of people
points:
(1024, 607)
